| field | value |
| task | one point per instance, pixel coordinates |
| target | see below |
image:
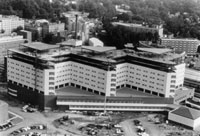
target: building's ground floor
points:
(97, 92)
(185, 116)
(76, 98)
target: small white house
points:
(95, 42)
(185, 116)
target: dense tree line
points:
(179, 17)
(31, 9)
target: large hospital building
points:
(36, 71)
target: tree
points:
(2, 31)
(48, 38)
(18, 29)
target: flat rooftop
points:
(132, 96)
(134, 25)
(155, 50)
(40, 46)
(180, 39)
(105, 54)
(99, 49)
(192, 74)
(72, 91)
(123, 92)
(127, 92)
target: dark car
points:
(137, 122)
(14, 133)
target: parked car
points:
(137, 122)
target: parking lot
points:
(124, 119)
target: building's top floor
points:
(192, 74)
(181, 39)
(72, 14)
(57, 53)
(40, 23)
(11, 17)
(155, 27)
(5, 39)
(101, 99)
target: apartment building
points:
(42, 69)
(188, 45)
(7, 42)
(141, 28)
(83, 24)
(9, 23)
(52, 28)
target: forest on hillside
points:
(179, 17)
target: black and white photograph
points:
(99, 67)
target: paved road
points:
(35, 118)
(128, 128)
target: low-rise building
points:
(190, 46)
(185, 116)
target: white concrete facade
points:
(192, 123)
(8, 23)
(73, 73)
(188, 45)
(8, 42)
(150, 79)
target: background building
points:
(83, 24)
(188, 45)
(9, 23)
(141, 28)
(52, 28)
(26, 35)
(95, 42)
(7, 42)
(3, 112)
(186, 116)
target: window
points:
(51, 83)
(173, 76)
(173, 81)
(113, 80)
(113, 75)
(51, 88)
(51, 78)
(172, 91)
(112, 89)
(172, 86)
(51, 73)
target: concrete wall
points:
(181, 120)
(3, 112)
